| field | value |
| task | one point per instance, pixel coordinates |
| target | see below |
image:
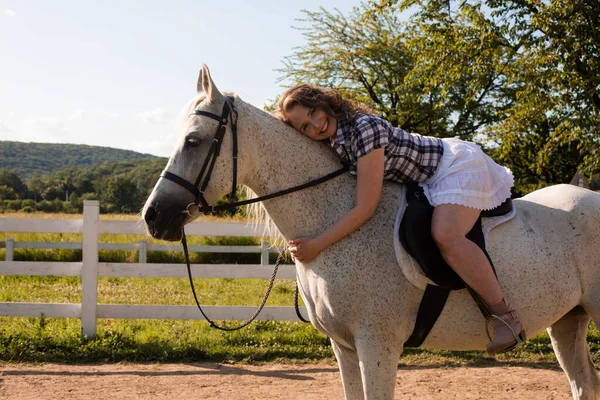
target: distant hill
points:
(29, 160)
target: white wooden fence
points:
(90, 269)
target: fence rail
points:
(142, 247)
(89, 269)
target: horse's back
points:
(581, 236)
(565, 197)
(548, 251)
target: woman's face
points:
(313, 122)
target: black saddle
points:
(416, 238)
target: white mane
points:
(260, 221)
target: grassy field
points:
(118, 340)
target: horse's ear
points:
(206, 85)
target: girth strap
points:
(432, 304)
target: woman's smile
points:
(325, 125)
(313, 122)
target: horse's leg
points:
(568, 336)
(378, 355)
(349, 369)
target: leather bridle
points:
(229, 112)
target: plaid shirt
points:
(409, 157)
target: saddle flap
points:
(415, 236)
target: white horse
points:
(546, 257)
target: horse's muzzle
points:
(165, 223)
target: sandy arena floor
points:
(270, 381)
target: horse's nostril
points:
(150, 214)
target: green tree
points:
(93, 182)
(122, 195)
(53, 190)
(7, 193)
(35, 187)
(12, 181)
(520, 75)
(83, 184)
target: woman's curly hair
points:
(328, 100)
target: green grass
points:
(119, 340)
(58, 340)
(122, 340)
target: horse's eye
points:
(192, 141)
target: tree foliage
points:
(120, 187)
(122, 195)
(28, 160)
(12, 183)
(531, 73)
(7, 193)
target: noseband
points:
(194, 209)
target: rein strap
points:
(211, 322)
(314, 182)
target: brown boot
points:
(506, 329)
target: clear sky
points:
(116, 72)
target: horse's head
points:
(195, 174)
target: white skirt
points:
(469, 177)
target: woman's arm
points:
(369, 180)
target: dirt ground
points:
(271, 381)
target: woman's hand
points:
(304, 249)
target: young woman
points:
(458, 179)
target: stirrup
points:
(493, 317)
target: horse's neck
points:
(280, 158)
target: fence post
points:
(89, 273)
(264, 253)
(10, 248)
(142, 251)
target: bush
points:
(57, 205)
(27, 209)
(44, 206)
(7, 193)
(75, 204)
(11, 205)
(28, 203)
